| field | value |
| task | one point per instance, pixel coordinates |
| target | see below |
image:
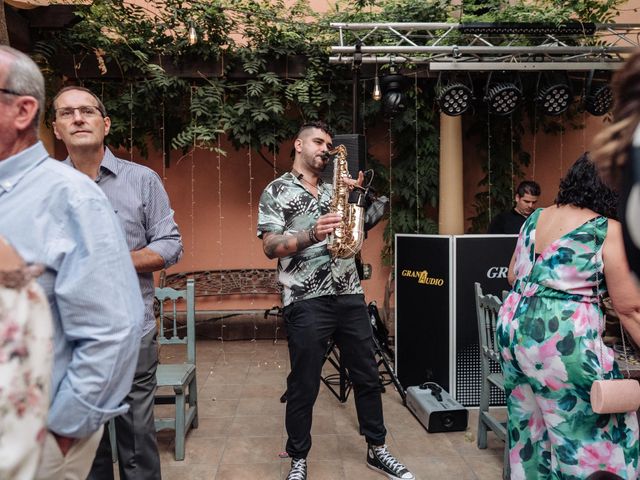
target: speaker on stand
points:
(356, 145)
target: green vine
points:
(255, 106)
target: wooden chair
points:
(487, 307)
(179, 376)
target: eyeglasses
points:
(86, 111)
(10, 92)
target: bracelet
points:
(312, 235)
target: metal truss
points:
(487, 47)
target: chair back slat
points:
(175, 317)
(487, 308)
(191, 321)
(161, 322)
(186, 297)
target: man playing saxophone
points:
(322, 299)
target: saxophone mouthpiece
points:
(327, 154)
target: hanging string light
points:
(561, 147)
(512, 161)
(535, 136)
(193, 35)
(164, 151)
(220, 217)
(276, 326)
(377, 91)
(131, 122)
(275, 157)
(193, 189)
(363, 102)
(390, 178)
(250, 215)
(584, 131)
(489, 161)
(417, 175)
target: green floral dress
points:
(549, 335)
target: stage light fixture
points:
(502, 97)
(393, 98)
(455, 99)
(599, 100)
(554, 94)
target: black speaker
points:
(356, 155)
(435, 409)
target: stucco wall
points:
(217, 209)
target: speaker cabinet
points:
(356, 155)
(436, 410)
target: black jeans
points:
(310, 324)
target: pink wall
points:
(217, 209)
(551, 156)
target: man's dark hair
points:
(100, 105)
(319, 124)
(528, 186)
(583, 187)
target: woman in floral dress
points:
(25, 366)
(549, 335)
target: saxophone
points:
(346, 240)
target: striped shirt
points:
(142, 205)
(57, 217)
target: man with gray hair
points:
(57, 217)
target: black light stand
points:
(383, 351)
(339, 383)
(383, 355)
(340, 379)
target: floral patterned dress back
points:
(26, 356)
(549, 334)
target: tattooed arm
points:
(282, 245)
(277, 245)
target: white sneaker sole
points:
(391, 476)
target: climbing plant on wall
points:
(255, 105)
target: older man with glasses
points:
(58, 218)
(142, 205)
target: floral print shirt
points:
(25, 372)
(286, 207)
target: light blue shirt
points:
(142, 206)
(59, 218)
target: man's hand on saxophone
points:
(353, 182)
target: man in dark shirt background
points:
(527, 195)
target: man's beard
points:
(323, 164)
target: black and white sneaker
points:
(298, 469)
(379, 459)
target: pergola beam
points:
(485, 66)
(488, 47)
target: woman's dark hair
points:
(604, 476)
(583, 187)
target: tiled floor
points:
(242, 431)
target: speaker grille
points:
(356, 155)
